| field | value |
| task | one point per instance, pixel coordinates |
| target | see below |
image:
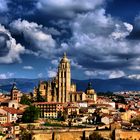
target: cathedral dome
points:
(64, 59)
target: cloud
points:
(6, 75)
(116, 74)
(75, 64)
(52, 31)
(51, 72)
(90, 73)
(120, 33)
(3, 6)
(100, 41)
(55, 62)
(40, 75)
(67, 8)
(28, 67)
(104, 74)
(134, 76)
(8, 44)
(40, 42)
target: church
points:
(60, 89)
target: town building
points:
(15, 93)
(49, 109)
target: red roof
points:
(12, 110)
(6, 124)
(42, 103)
(71, 107)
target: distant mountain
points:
(25, 85)
(100, 85)
(117, 84)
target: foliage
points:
(25, 100)
(120, 99)
(96, 136)
(122, 110)
(136, 121)
(108, 93)
(39, 98)
(30, 114)
(25, 135)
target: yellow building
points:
(49, 109)
(15, 93)
(90, 93)
(60, 89)
(3, 118)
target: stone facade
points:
(15, 93)
(60, 89)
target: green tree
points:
(25, 100)
(136, 121)
(31, 114)
(96, 136)
(39, 98)
(25, 135)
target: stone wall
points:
(123, 134)
(67, 134)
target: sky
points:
(101, 38)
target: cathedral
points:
(60, 89)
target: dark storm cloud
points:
(3, 46)
(92, 37)
(135, 34)
(10, 50)
(88, 62)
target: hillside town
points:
(56, 110)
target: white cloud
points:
(67, 8)
(134, 76)
(51, 73)
(28, 67)
(90, 73)
(128, 26)
(75, 64)
(40, 75)
(116, 74)
(134, 67)
(3, 5)
(55, 62)
(6, 75)
(120, 33)
(14, 49)
(101, 40)
(34, 34)
(103, 74)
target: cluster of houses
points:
(11, 112)
(106, 111)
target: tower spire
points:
(65, 55)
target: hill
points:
(100, 85)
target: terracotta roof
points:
(6, 124)
(71, 107)
(2, 99)
(12, 110)
(42, 103)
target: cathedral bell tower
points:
(64, 79)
